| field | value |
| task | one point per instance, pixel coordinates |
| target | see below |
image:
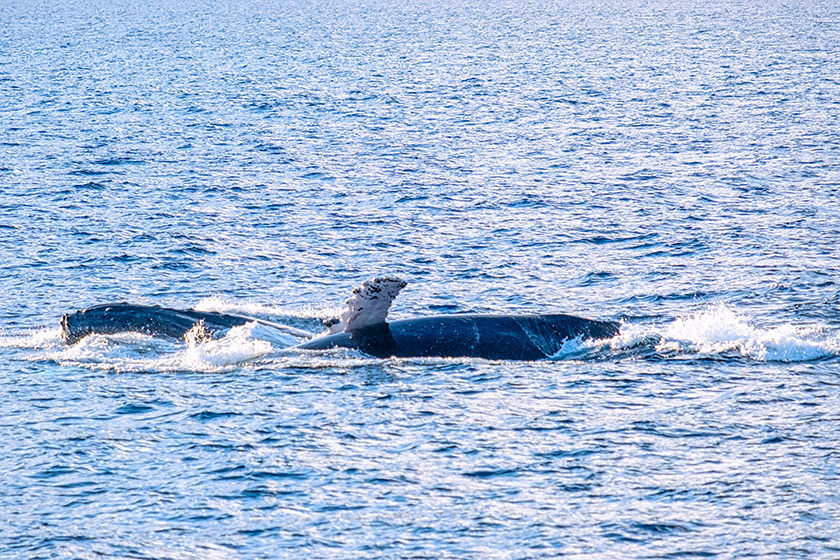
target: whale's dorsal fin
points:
(369, 304)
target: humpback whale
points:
(362, 325)
(153, 320)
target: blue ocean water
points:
(671, 165)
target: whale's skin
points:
(116, 318)
(492, 337)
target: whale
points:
(363, 326)
(153, 320)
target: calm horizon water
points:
(672, 166)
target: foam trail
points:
(42, 338)
(575, 348)
(225, 353)
(720, 330)
(135, 352)
(220, 305)
(310, 319)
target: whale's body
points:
(493, 337)
(363, 326)
(115, 318)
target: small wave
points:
(225, 353)
(42, 338)
(99, 351)
(720, 331)
(135, 352)
(306, 315)
(577, 348)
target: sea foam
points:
(720, 330)
(136, 352)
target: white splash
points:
(220, 305)
(135, 352)
(720, 330)
(574, 348)
(42, 338)
(236, 347)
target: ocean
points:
(670, 166)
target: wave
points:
(137, 353)
(308, 318)
(41, 338)
(722, 332)
(220, 305)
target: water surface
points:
(670, 166)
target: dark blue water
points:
(674, 166)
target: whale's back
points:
(493, 337)
(153, 320)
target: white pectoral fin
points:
(369, 303)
